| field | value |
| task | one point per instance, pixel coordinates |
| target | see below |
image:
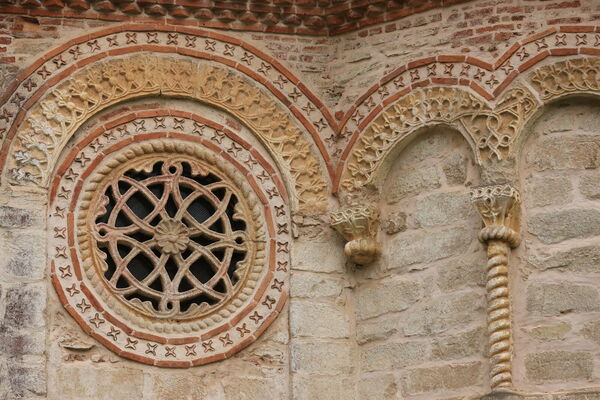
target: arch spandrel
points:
(58, 114)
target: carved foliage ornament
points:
(56, 116)
(164, 251)
(358, 225)
(576, 75)
(492, 131)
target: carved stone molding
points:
(491, 131)
(358, 225)
(57, 115)
(499, 207)
(569, 76)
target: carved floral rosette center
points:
(166, 252)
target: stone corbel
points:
(358, 225)
(499, 207)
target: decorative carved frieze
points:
(358, 225)
(55, 118)
(490, 130)
(499, 207)
(569, 76)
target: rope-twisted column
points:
(499, 209)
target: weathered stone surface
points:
(455, 169)
(99, 384)
(591, 331)
(26, 380)
(391, 356)
(577, 396)
(319, 256)
(324, 387)
(386, 296)
(443, 209)
(393, 223)
(412, 247)
(546, 191)
(555, 227)
(427, 145)
(378, 387)
(589, 185)
(15, 344)
(242, 388)
(457, 274)
(323, 320)
(410, 182)
(11, 217)
(454, 376)
(578, 259)
(26, 257)
(368, 331)
(548, 333)
(559, 366)
(444, 312)
(167, 385)
(560, 298)
(315, 285)
(579, 152)
(464, 344)
(25, 306)
(322, 357)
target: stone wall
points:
(558, 312)
(413, 324)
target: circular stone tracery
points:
(165, 250)
(174, 236)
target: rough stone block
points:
(577, 396)
(26, 380)
(443, 209)
(25, 306)
(546, 191)
(447, 377)
(322, 357)
(546, 333)
(25, 255)
(311, 285)
(14, 344)
(323, 387)
(11, 217)
(560, 298)
(591, 331)
(468, 271)
(392, 356)
(589, 185)
(368, 331)
(445, 312)
(578, 259)
(386, 296)
(99, 384)
(413, 247)
(242, 388)
(455, 169)
(318, 320)
(464, 344)
(579, 152)
(319, 256)
(555, 227)
(559, 366)
(428, 145)
(410, 182)
(378, 387)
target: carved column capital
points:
(499, 207)
(358, 225)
